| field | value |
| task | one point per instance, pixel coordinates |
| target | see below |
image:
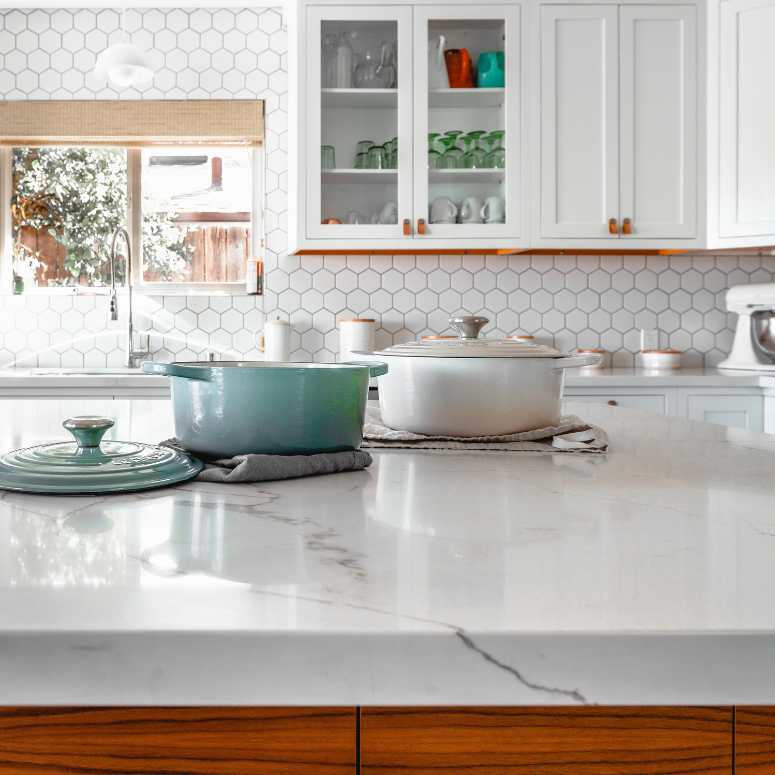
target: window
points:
(192, 207)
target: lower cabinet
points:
(754, 740)
(742, 408)
(646, 403)
(745, 412)
(405, 741)
(547, 741)
(178, 741)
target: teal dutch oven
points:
(230, 408)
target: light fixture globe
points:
(123, 64)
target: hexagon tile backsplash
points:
(584, 301)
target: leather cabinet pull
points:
(627, 226)
(421, 226)
(407, 227)
(612, 227)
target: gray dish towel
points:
(268, 468)
(571, 434)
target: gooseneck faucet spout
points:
(132, 355)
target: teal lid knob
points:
(88, 431)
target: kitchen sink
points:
(82, 372)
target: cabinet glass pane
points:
(359, 122)
(466, 121)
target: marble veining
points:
(643, 576)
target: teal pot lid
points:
(88, 465)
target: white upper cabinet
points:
(618, 122)
(747, 117)
(619, 126)
(579, 120)
(391, 153)
(658, 121)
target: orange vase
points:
(460, 68)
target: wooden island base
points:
(346, 741)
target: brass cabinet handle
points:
(421, 226)
(627, 226)
(407, 227)
(612, 227)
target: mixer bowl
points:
(764, 330)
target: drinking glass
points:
(360, 161)
(447, 160)
(496, 158)
(392, 156)
(453, 148)
(433, 155)
(377, 158)
(353, 218)
(475, 157)
(327, 161)
(362, 148)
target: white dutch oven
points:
(471, 386)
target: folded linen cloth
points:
(268, 468)
(572, 434)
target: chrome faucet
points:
(132, 355)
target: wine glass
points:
(474, 158)
(453, 149)
(496, 158)
(447, 160)
(433, 155)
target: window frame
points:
(134, 226)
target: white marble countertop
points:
(643, 577)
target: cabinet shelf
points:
(466, 98)
(359, 98)
(360, 176)
(472, 176)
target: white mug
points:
(470, 210)
(389, 213)
(443, 210)
(494, 210)
(277, 340)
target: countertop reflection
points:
(645, 575)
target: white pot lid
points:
(470, 346)
(476, 348)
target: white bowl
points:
(661, 359)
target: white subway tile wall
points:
(569, 301)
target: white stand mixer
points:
(754, 345)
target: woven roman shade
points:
(131, 122)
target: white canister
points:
(276, 344)
(355, 335)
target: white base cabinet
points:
(734, 407)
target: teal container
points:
(230, 408)
(491, 70)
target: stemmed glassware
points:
(496, 158)
(433, 154)
(475, 157)
(453, 149)
(448, 160)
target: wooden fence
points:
(219, 255)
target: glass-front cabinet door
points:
(467, 134)
(359, 124)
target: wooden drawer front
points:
(226, 741)
(547, 741)
(754, 740)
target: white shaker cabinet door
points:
(658, 120)
(747, 116)
(579, 121)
